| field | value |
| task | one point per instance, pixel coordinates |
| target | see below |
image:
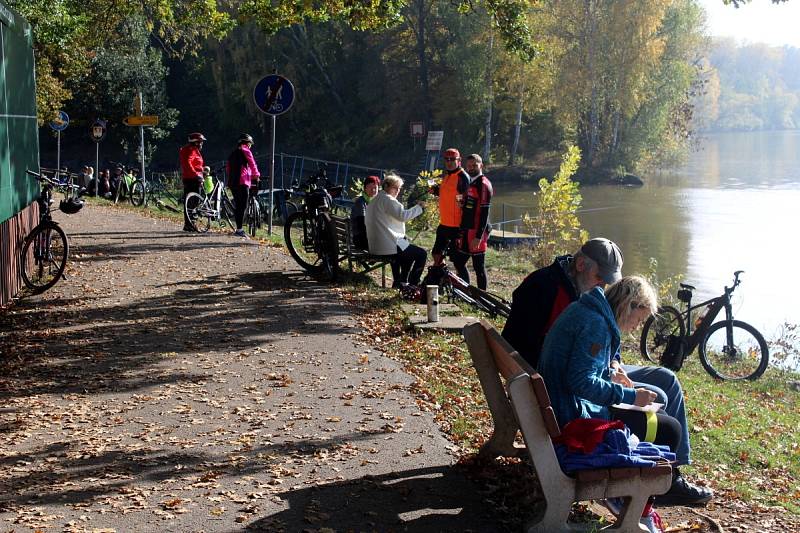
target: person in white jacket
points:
(386, 232)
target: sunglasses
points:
(451, 158)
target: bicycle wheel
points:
(198, 212)
(121, 192)
(734, 350)
(657, 330)
(253, 216)
(44, 256)
(300, 234)
(137, 193)
(328, 248)
(228, 213)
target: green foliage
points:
(557, 223)
(429, 219)
(666, 288)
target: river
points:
(732, 206)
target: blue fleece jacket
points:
(575, 358)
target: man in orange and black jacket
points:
(452, 192)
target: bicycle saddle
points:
(687, 286)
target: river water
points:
(734, 205)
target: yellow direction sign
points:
(144, 120)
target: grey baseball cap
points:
(608, 257)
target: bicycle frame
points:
(715, 305)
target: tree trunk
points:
(300, 37)
(487, 144)
(517, 126)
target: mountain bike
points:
(46, 248)
(202, 208)
(309, 233)
(729, 349)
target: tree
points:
(68, 34)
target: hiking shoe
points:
(188, 228)
(652, 521)
(241, 233)
(684, 493)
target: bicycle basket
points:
(674, 353)
(71, 205)
(685, 295)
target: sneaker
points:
(684, 493)
(652, 521)
(241, 233)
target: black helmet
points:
(71, 205)
(245, 138)
(196, 137)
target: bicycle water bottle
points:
(208, 184)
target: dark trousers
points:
(408, 265)
(478, 263)
(668, 430)
(240, 197)
(444, 235)
(190, 185)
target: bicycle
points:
(45, 250)
(252, 214)
(282, 206)
(124, 187)
(728, 350)
(309, 233)
(155, 191)
(203, 208)
(455, 288)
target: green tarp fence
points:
(19, 140)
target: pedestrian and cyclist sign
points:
(60, 122)
(274, 94)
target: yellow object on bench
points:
(518, 400)
(356, 256)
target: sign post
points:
(59, 124)
(140, 120)
(274, 95)
(434, 144)
(97, 132)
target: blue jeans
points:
(665, 384)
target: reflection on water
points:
(733, 206)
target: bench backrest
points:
(341, 226)
(510, 365)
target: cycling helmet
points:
(71, 205)
(245, 138)
(196, 137)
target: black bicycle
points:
(309, 233)
(729, 349)
(455, 288)
(46, 248)
(156, 191)
(124, 186)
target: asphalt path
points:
(187, 382)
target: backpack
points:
(674, 353)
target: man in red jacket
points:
(191, 171)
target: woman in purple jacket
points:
(242, 174)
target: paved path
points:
(184, 382)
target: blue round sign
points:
(61, 121)
(274, 94)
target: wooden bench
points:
(354, 255)
(523, 403)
